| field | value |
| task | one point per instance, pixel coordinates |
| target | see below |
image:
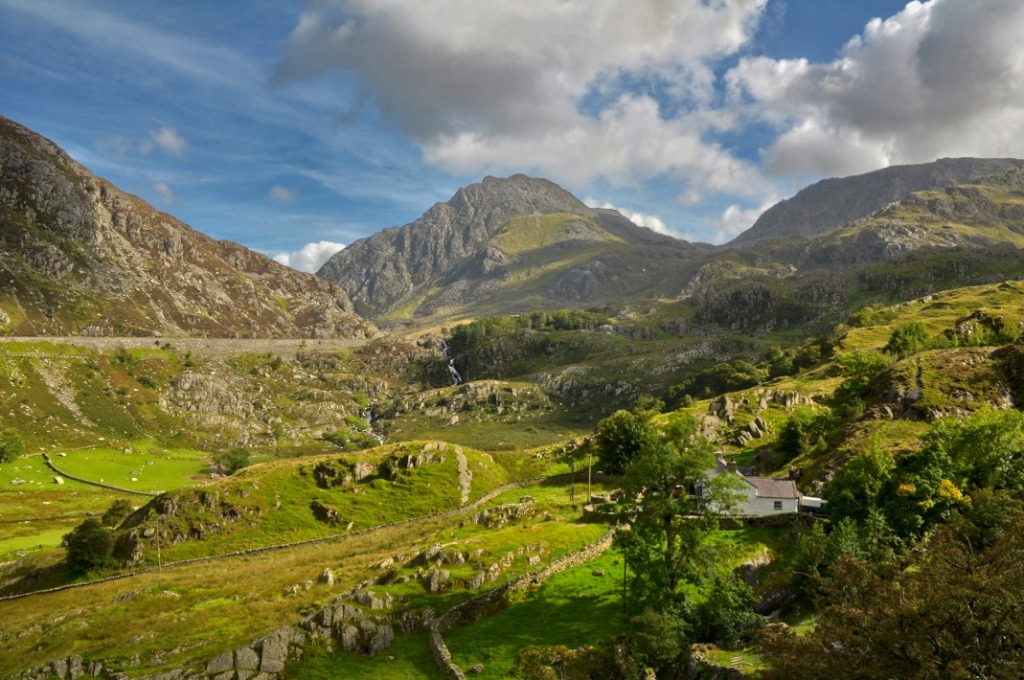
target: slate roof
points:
(767, 487)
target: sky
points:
(295, 127)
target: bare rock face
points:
(80, 256)
(496, 233)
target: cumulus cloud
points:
(507, 85)
(310, 257)
(282, 194)
(652, 222)
(168, 140)
(736, 219)
(940, 78)
(163, 190)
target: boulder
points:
(326, 577)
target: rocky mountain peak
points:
(80, 256)
(501, 244)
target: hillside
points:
(831, 203)
(80, 256)
(505, 245)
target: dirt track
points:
(197, 346)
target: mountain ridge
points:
(834, 202)
(517, 243)
(80, 256)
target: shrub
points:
(89, 546)
(11, 445)
(117, 511)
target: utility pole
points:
(572, 479)
(590, 456)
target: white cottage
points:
(762, 495)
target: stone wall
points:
(49, 464)
(339, 621)
(476, 608)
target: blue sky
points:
(294, 127)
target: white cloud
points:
(310, 257)
(167, 139)
(282, 194)
(652, 222)
(506, 86)
(736, 219)
(163, 190)
(940, 78)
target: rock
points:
(362, 470)
(533, 560)
(326, 577)
(477, 669)
(437, 579)
(273, 651)
(60, 668)
(246, 659)
(381, 640)
(60, 480)
(349, 638)
(220, 664)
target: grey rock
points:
(220, 664)
(246, 659)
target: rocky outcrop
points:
(83, 257)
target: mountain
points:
(80, 256)
(511, 245)
(831, 203)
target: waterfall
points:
(368, 417)
(452, 371)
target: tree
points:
(117, 511)
(620, 438)
(89, 546)
(856, 486)
(665, 544)
(232, 460)
(907, 339)
(804, 431)
(11, 445)
(955, 611)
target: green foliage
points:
(805, 431)
(908, 338)
(872, 315)
(860, 371)
(117, 511)
(856, 486)
(665, 545)
(720, 378)
(727, 616)
(657, 639)
(232, 460)
(89, 546)
(11, 445)
(620, 438)
(955, 613)
(348, 440)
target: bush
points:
(89, 546)
(117, 511)
(908, 339)
(232, 460)
(11, 445)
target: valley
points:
(214, 467)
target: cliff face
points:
(503, 243)
(831, 203)
(80, 256)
